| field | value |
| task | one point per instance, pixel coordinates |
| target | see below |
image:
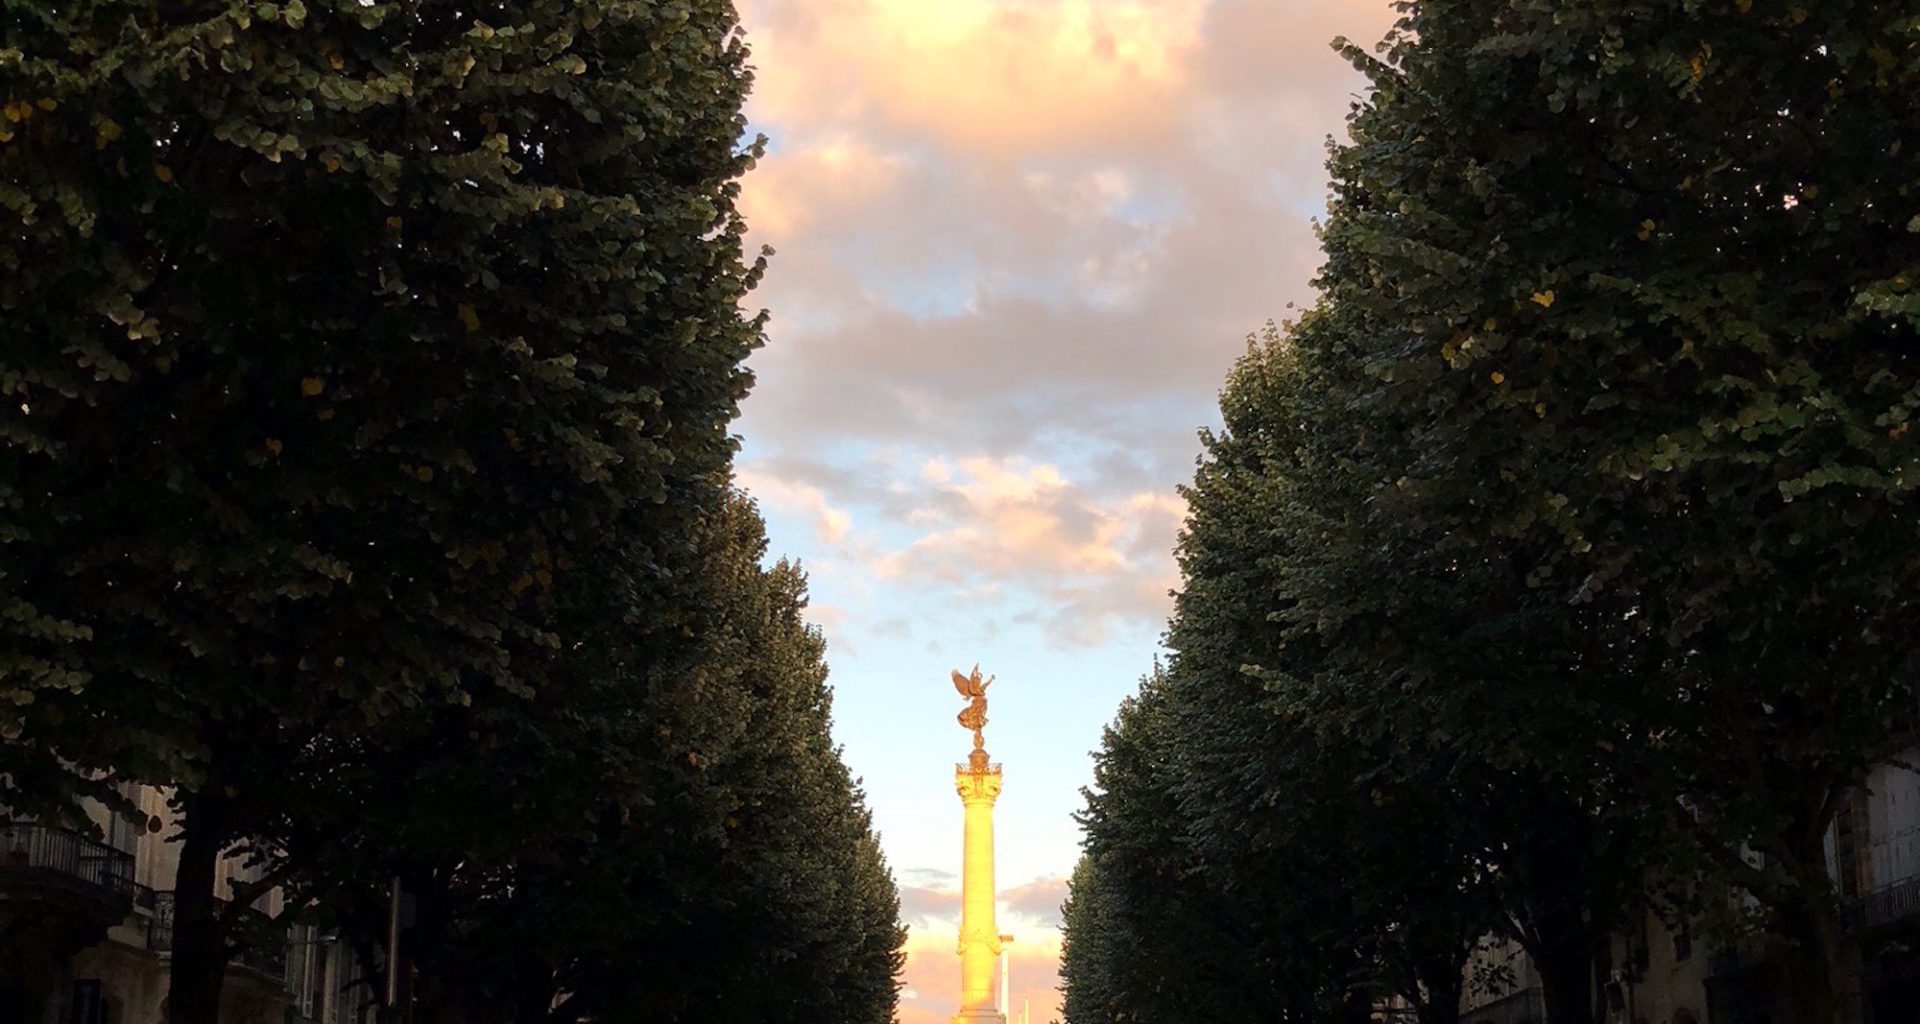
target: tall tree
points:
(1284, 775)
(351, 349)
(1088, 988)
(678, 839)
(1170, 931)
(1631, 287)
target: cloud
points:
(982, 75)
(829, 523)
(1039, 899)
(828, 178)
(1084, 560)
(1008, 226)
(920, 904)
(1045, 549)
(931, 980)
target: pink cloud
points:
(931, 980)
(1051, 549)
(984, 75)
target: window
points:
(88, 1007)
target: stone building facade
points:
(86, 934)
(1657, 974)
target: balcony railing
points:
(1883, 906)
(268, 956)
(65, 852)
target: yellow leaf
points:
(163, 172)
(1544, 299)
(1540, 408)
(468, 318)
(109, 129)
(333, 163)
(47, 103)
(1646, 229)
(312, 386)
(1498, 378)
(335, 62)
(1745, 6)
(520, 585)
(273, 445)
(1699, 66)
(393, 223)
(18, 111)
(1811, 191)
(425, 474)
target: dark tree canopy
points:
(1577, 521)
(366, 377)
(324, 315)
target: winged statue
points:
(974, 689)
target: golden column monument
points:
(979, 784)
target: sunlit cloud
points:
(932, 975)
(829, 178)
(1091, 560)
(1055, 552)
(830, 523)
(1038, 900)
(989, 76)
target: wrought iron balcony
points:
(1883, 906)
(265, 955)
(52, 853)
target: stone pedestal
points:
(979, 785)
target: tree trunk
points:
(1570, 900)
(1561, 941)
(1441, 983)
(199, 965)
(1819, 964)
(1816, 984)
(1566, 979)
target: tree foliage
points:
(678, 844)
(1576, 522)
(368, 370)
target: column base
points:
(979, 1017)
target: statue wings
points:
(971, 686)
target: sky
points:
(1019, 243)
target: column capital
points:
(975, 786)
